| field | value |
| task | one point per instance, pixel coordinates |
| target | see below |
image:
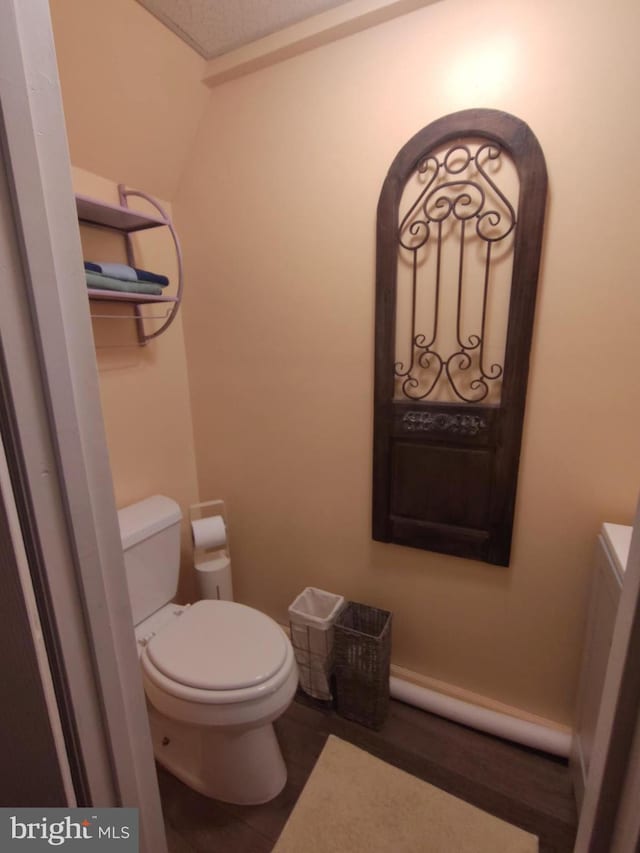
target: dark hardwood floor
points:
(527, 788)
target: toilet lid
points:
(219, 645)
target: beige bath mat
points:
(355, 803)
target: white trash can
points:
(311, 619)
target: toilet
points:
(216, 673)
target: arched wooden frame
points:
(445, 473)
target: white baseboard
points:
(477, 711)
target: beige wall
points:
(133, 99)
(144, 390)
(131, 91)
(277, 209)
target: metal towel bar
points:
(128, 316)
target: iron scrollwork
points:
(442, 422)
(459, 189)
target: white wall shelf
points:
(121, 218)
(136, 298)
(92, 211)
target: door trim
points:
(57, 442)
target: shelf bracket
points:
(124, 195)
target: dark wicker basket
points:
(362, 647)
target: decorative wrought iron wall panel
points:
(458, 219)
(460, 223)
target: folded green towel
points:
(97, 281)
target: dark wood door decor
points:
(460, 221)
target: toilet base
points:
(242, 766)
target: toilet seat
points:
(219, 645)
(219, 653)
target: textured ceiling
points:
(214, 27)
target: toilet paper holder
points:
(209, 528)
(211, 555)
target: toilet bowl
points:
(216, 674)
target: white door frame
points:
(54, 436)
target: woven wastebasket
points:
(311, 621)
(362, 650)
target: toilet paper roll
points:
(209, 532)
(214, 578)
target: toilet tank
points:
(150, 534)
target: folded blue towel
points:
(126, 273)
